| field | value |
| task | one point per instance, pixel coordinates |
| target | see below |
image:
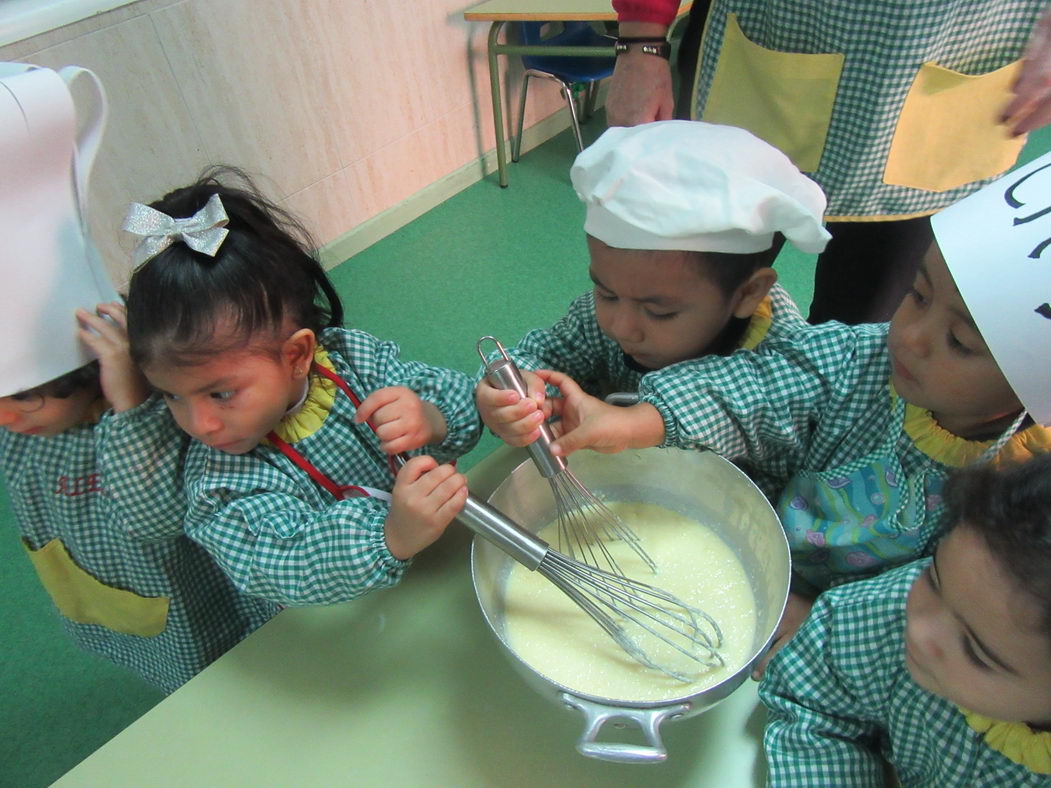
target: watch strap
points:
(650, 46)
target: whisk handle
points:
(491, 524)
(495, 526)
(503, 373)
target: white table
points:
(404, 687)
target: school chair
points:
(570, 73)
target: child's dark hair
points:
(264, 277)
(729, 270)
(65, 386)
(1010, 508)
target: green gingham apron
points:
(883, 44)
(62, 503)
(841, 703)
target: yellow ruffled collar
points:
(939, 444)
(758, 325)
(308, 418)
(1014, 740)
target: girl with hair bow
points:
(291, 418)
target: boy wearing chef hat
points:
(683, 222)
(862, 424)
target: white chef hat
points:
(997, 246)
(48, 256)
(687, 185)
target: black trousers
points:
(686, 62)
(867, 268)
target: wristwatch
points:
(651, 46)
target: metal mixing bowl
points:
(702, 486)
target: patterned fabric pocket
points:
(948, 133)
(83, 598)
(784, 98)
(853, 521)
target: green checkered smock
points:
(884, 44)
(576, 345)
(841, 702)
(58, 494)
(282, 537)
(142, 457)
(819, 404)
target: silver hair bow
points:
(203, 232)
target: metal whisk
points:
(649, 624)
(585, 524)
(639, 617)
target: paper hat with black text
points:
(997, 246)
(50, 264)
(692, 186)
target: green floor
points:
(488, 261)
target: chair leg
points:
(516, 142)
(581, 98)
(567, 92)
(591, 97)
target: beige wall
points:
(345, 107)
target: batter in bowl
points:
(556, 638)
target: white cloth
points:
(692, 186)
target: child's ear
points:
(298, 352)
(752, 292)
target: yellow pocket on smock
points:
(84, 599)
(948, 133)
(784, 98)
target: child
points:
(861, 424)
(162, 609)
(683, 223)
(941, 667)
(237, 326)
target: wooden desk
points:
(405, 687)
(498, 12)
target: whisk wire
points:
(577, 535)
(587, 525)
(637, 596)
(610, 522)
(612, 600)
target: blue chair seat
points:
(565, 70)
(570, 69)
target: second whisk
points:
(585, 524)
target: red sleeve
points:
(660, 11)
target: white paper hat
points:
(687, 185)
(997, 245)
(50, 263)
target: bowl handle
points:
(649, 720)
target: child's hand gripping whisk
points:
(585, 524)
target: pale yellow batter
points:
(556, 638)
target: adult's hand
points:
(1031, 107)
(640, 90)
